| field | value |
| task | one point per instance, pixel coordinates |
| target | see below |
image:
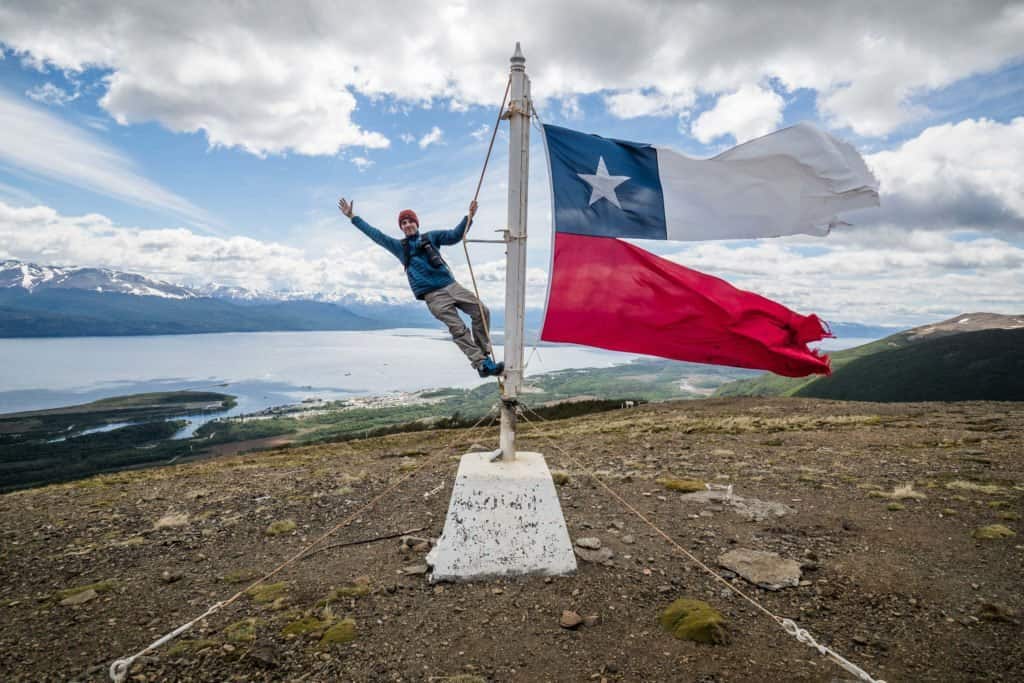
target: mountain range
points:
(67, 301)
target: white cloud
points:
(633, 103)
(482, 132)
(750, 112)
(362, 163)
(48, 93)
(285, 80)
(407, 138)
(41, 143)
(432, 138)
(571, 108)
(964, 174)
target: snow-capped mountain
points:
(33, 278)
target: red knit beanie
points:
(408, 213)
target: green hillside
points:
(973, 366)
(770, 384)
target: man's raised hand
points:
(347, 207)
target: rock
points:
(596, 556)
(570, 619)
(767, 570)
(415, 569)
(171, 520)
(591, 620)
(629, 539)
(694, 620)
(171, 575)
(616, 524)
(80, 597)
(590, 543)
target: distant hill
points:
(773, 385)
(77, 313)
(987, 365)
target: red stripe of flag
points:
(607, 293)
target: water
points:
(261, 369)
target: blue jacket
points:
(423, 277)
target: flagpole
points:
(515, 269)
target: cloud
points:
(571, 108)
(288, 80)
(633, 103)
(407, 138)
(48, 93)
(482, 132)
(750, 112)
(362, 163)
(966, 174)
(431, 138)
(41, 143)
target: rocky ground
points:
(876, 507)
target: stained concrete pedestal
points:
(504, 519)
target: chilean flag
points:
(611, 294)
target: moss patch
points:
(894, 507)
(241, 575)
(307, 626)
(560, 477)
(281, 526)
(267, 592)
(993, 531)
(1009, 516)
(243, 631)
(962, 485)
(694, 620)
(100, 587)
(357, 589)
(683, 485)
(342, 632)
(184, 647)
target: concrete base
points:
(504, 519)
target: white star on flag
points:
(603, 185)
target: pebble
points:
(570, 619)
(79, 598)
(629, 539)
(170, 576)
(589, 542)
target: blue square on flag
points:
(603, 187)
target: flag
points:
(611, 294)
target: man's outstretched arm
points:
(389, 243)
(453, 236)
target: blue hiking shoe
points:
(488, 368)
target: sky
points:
(207, 142)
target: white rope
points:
(790, 627)
(119, 668)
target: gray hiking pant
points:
(445, 304)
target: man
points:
(432, 281)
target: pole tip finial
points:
(517, 56)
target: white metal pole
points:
(515, 268)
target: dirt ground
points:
(899, 586)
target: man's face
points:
(408, 227)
